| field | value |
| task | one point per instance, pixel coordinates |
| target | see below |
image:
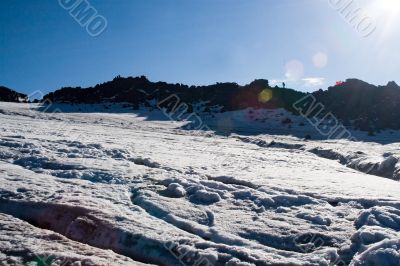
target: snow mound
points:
(315, 219)
(203, 196)
(176, 190)
(384, 253)
(387, 217)
(377, 240)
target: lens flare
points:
(265, 95)
(320, 60)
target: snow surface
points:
(122, 188)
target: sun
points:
(387, 8)
(386, 13)
(389, 5)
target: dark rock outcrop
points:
(140, 90)
(355, 103)
(362, 105)
(8, 95)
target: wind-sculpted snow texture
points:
(122, 189)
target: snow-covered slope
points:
(96, 188)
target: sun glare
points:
(390, 9)
(386, 13)
(385, 8)
(389, 5)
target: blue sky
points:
(308, 44)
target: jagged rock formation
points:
(362, 105)
(8, 95)
(140, 90)
(354, 102)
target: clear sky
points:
(309, 44)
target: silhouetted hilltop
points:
(362, 105)
(354, 102)
(8, 95)
(140, 90)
